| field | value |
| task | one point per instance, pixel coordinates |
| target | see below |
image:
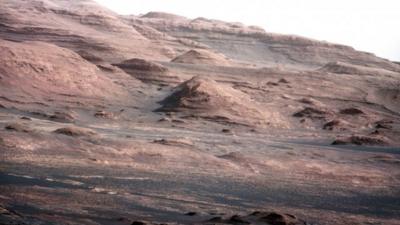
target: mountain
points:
(162, 119)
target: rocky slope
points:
(46, 73)
(202, 56)
(265, 48)
(162, 119)
(204, 98)
(77, 25)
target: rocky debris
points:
(18, 127)
(385, 121)
(58, 116)
(225, 130)
(242, 160)
(74, 131)
(257, 217)
(236, 219)
(11, 217)
(375, 140)
(281, 219)
(147, 71)
(351, 111)
(165, 119)
(336, 124)
(234, 156)
(171, 120)
(107, 68)
(309, 101)
(202, 56)
(271, 83)
(283, 80)
(104, 115)
(376, 132)
(386, 159)
(175, 142)
(138, 223)
(62, 117)
(90, 57)
(177, 121)
(204, 98)
(384, 124)
(312, 113)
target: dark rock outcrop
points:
(312, 113)
(362, 140)
(75, 131)
(148, 71)
(205, 98)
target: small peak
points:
(163, 15)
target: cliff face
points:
(78, 25)
(161, 119)
(254, 45)
(84, 25)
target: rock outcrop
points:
(42, 71)
(148, 71)
(253, 45)
(204, 57)
(205, 98)
(77, 25)
(348, 68)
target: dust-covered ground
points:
(159, 119)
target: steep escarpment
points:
(84, 25)
(253, 44)
(77, 25)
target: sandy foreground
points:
(160, 119)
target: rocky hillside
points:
(162, 119)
